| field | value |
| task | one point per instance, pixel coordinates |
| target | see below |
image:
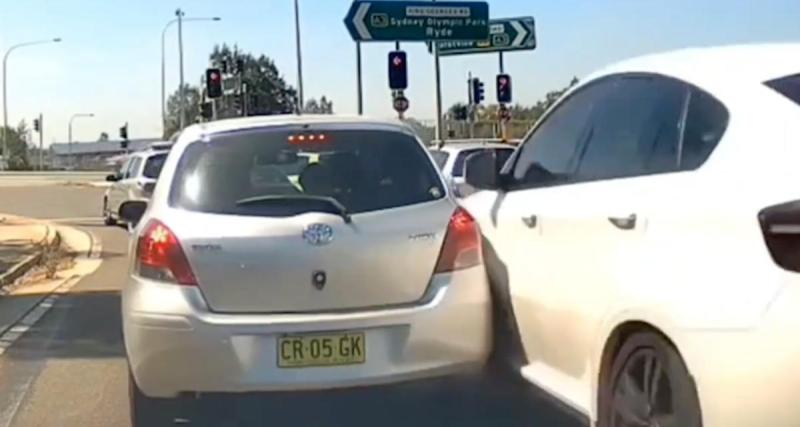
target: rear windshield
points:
(152, 169)
(283, 172)
(440, 157)
(788, 87)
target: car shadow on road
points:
(479, 400)
(93, 329)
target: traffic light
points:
(503, 88)
(213, 83)
(36, 125)
(398, 70)
(123, 132)
(206, 110)
(478, 94)
(240, 66)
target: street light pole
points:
(181, 92)
(5, 88)
(163, 66)
(69, 135)
(299, 57)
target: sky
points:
(109, 62)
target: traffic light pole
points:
(502, 120)
(41, 142)
(470, 107)
(438, 72)
(359, 80)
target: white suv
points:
(135, 180)
(646, 240)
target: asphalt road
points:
(70, 369)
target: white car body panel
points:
(695, 266)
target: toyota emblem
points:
(318, 234)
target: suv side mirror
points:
(112, 178)
(132, 211)
(480, 170)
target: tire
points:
(146, 411)
(107, 218)
(669, 399)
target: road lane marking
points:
(19, 329)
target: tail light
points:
(462, 244)
(781, 227)
(159, 256)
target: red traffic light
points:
(213, 83)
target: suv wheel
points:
(649, 386)
(107, 218)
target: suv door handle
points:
(530, 221)
(624, 223)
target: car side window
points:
(635, 131)
(133, 170)
(706, 122)
(458, 163)
(549, 155)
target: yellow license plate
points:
(301, 351)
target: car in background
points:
(450, 158)
(135, 179)
(291, 253)
(646, 239)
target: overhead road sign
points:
(504, 35)
(418, 20)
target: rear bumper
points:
(748, 377)
(175, 344)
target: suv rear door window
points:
(458, 165)
(788, 87)
(636, 130)
(152, 168)
(706, 122)
(277, 172)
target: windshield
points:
(363, 170)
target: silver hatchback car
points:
(302, 252)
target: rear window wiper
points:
(340, 208)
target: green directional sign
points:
(504, 35)
(418, 20)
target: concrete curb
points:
(51, 241)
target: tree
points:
(267, 91)
(103, 136)
(17, 158)
(192, 109)
(323, 106)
